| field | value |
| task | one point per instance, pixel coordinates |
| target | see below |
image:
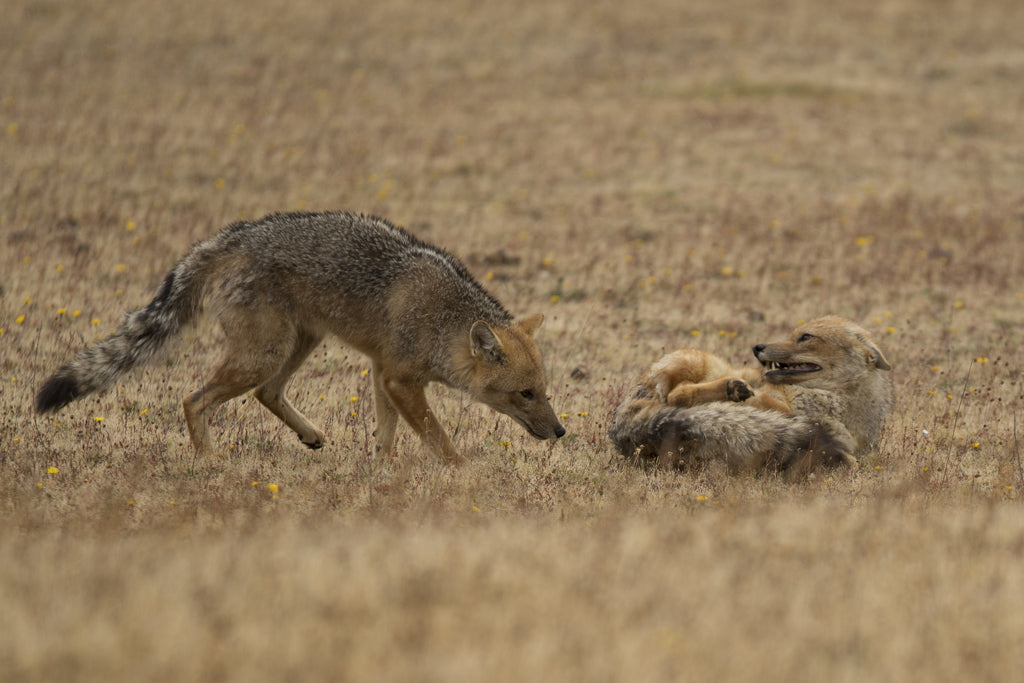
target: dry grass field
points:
(647, 175)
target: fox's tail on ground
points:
(646, 431)
(140, 336)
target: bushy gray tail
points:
(141, 335)
(741, 436)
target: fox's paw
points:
(315, 444)
(737, 390)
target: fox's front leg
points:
(410, 400)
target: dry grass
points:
(647, 176)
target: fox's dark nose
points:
(758, 349)
(559, 432)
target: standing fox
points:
(820, 398)
(278, 285)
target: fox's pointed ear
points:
(875, 356)
(484, 341)
(531, 324)
(879, 360)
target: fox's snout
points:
(540, 421)
(558, 430)
(552, 429)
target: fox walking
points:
(280, 284)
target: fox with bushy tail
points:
(280, 284)
(820, 399)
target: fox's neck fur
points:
(866, 411)
(856, 405)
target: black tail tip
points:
(56, 392)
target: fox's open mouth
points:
(774, 368)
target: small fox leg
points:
(387, 415)
(271, 393)
(227, 382)
(687, 394)
(768, 402)
(410, 400)
(256, 349)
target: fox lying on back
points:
(820, 398)
(278, 285)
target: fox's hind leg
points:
(689, 394)
(256, 350)
(387, 415)
(230, 379)
(271, 392)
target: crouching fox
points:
(280, 284)
(820, 398)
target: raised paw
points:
(738, 390)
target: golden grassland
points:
(648, 176)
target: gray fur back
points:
(360, 256)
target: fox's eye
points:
(527, 394)
(806, 336)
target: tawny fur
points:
(280, 284)
(820, 398)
